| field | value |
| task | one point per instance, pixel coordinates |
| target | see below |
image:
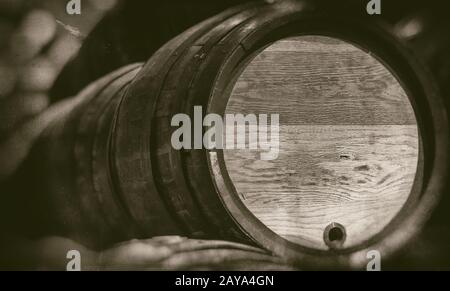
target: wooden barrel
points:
(67, 192)
(111, 173)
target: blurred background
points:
(37, 38)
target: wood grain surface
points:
(348, 141)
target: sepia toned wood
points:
(318, 80)
(348, 141)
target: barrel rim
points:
(430, 114)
